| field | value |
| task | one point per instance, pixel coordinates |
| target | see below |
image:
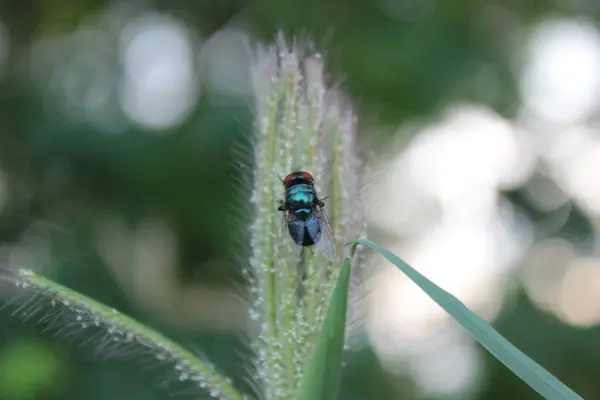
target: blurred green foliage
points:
(398, 60)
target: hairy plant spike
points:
(350, 222)
(268, 95)
(287, 273)
(316, 155)
(305, 128)
(121, 335)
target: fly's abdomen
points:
(312, 228)
(305, 231)
(297, 231)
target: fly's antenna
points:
(296, 167)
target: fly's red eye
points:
(308, 176)
(287, 178)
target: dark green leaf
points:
(322, 376)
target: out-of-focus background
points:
(479, 123)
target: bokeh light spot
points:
(159, 85)
(225, 63)
(561, 81)
(579, 300)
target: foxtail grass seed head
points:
(300, 125)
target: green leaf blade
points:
(323, 372)
(520, 364)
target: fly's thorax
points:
(301, 196)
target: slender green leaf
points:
(322, 376)
(524, 367)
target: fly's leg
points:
(283, 224)
(320, 203)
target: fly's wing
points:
(319, 229)
(294, 232)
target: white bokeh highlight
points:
(159, 86)
(225, 63)
(561, 82)
(579, 293)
